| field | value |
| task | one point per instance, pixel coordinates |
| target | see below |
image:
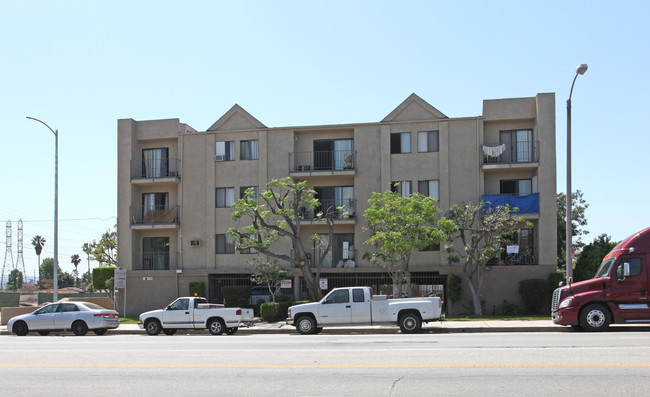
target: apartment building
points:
(176, 186)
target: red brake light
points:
(238, 312)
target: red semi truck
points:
(618, 293)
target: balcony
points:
(522, 154)
(159, 261)
(160, 217)
(347, 205)
(524, 204)
(155, 170)
(337, 162)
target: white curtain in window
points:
(405, 142)
(344, 196)
(524, 146)
(343, 150)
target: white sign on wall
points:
(285, 284)
(323, 283)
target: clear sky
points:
(81, 65)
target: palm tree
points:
(75, 261)
(38, 242)
(87, 250)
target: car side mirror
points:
(168, 307)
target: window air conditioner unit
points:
(195, 242)
(220, 157)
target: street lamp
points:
(55, 272)
(581, 69)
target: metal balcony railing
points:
(336, 160)
(159, 260)
(346, 211)
(155, 168)
(507, 153)
(158, 215)
(524, 204)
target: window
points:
(357, 295)
(242, 192)
(400, 142)
(635, 267)
(517, 186)
(427, 141)
(226, 151)
(249, 251)
(68, 307)
(404, 189)
(155, 163)
(248, 150)
(519, 146)
(225, 197)
(180, 304)
(155, 253)
(153, 206)
(334, 197)
(341, 254)
(340, 296)
(333, 154)
(225, 244)
(432, 247)
(429, 189)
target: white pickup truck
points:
(356, 305)
(195, 313)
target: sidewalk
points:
(444, 327)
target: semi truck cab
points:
(617, 294)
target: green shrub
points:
(554, 280)
(236, 296)
(269, 311)
(103, 278)
(282, 298)
(197, 288)
(534, 294)
(508, 309)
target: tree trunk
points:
(476, 298)
(313, 285)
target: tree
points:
(47, 269)
(591, 257)
(104, 279)
(480, 233)
(104, 251)
(15, 281)
(47, 275)
(269, 274)
(76, 261)
(400, 225)
(38, 242)
(88, 251)
(277, 215)
(578, 221)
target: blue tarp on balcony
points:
(526, 204)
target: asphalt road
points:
(328, 365)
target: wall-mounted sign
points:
(323, 283)
(147, 278)
(285, 284)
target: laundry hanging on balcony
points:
(494, 151)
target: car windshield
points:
(605, 267)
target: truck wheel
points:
(231, 331)
(594, 317)
(216, 326)
(20, 328)
(410, 323)
(306, 325)
(79, 328)
(152, 327)
(168, 331)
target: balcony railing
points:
(158, 215)
(336, 160)
(507, 153)
(524, 204)
(347, 210)
(159, 261)
(155, 168)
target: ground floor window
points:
(155, 253)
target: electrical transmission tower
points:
(19, 259)
(9, 258)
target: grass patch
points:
(497, 318)
(128, 320)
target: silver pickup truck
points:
(357, 305)
(195, 313)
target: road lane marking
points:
(311, 366)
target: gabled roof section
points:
(412, 109)
(236, 119)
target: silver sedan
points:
(79, 317)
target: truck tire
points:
(152, 327)
(169, 331)
(216, 326)
(409, 323)
(594, 317)
(306, 325)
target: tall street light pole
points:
(581, 69)
(55, 273)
